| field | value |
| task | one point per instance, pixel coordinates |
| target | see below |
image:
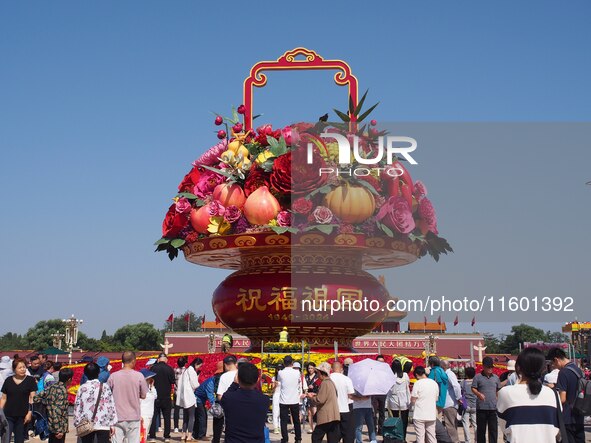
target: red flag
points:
(456, 321)
(439, 320)
(187, 318)
(170, 318)
(473, 321)
(425, 320)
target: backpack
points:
(41, 426)
(582, 403)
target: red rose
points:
(301, 205)
(189, 181)
(292, 174)
(174, 222)
(257, 178)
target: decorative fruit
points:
(237, 158)
(221, 134)
(352, 204)
(218, 120)
(373, 122)
(229, 195)
(237, 128)
(261, 207)
(241, 109)
(199, 219)
(235, 145)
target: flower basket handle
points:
(288, 61)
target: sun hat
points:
(147, 373)
(102, 362)
(511, 365)
(5, 362)
(150, 362)
(324, 367)
(348, 361)
(297, 365)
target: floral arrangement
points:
(277, 346)
(268, 180)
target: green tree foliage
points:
(140, 336)
(509, 344)
(39, 336)
(11, 341)
(492, 343)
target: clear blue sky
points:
(104, 105)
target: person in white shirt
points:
(398, 398)
(189, 381)
(289, 399)
(345, 390)
(276, 393)
(453, 396)
(226, 379)
(529, 408)
(147, 404)
(425, 393)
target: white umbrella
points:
(371, 377)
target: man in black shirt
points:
(35, 368)
(568, 381)
(245, 408)
(164, 380)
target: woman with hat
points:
(147, 404)
(328, 415)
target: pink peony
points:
(427, 215)
(287, 135)
(396, 214)
(183, 206)
(420, 190)
(206, 183)
(301, 205)
(284, 218)
(232, 213)
(322, 215)
(216, 209)
(212, 155)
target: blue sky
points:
(104, 105)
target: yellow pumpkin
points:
(352, 204)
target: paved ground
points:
(306, 437)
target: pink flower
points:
(183, 206)
(206, 183)
(396, 214)
(212, 155)
(232, 214)
(346, 228)
(216, 209)
(322, 215)
(287, 135)
(284, 218)
(265, 129)
(427, 215)
(420, 190)
(301, 205)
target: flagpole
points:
(172, 323)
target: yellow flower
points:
(263, 157)
(218, 226)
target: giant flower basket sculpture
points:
(272, 205)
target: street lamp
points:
(57, 341)
(71, 334)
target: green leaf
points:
(162, 247)
(218, 171)
(177, 243)
(325, 229)
(343, 116)
(162, 241)
(256, 116)
(351, 106)
(272, 141)
(188, 195)
(366, 113)
(279, 229)
(360, 104)
(322, 190)
(235, 118)
(368, 185)
(386, 229)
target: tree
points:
(39, 336)
(11, 341)
(492, 343)
(557, 337)
(520, 334)
(179, 323)
(140, 336)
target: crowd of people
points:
(533, 401)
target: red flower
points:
(192, 236)
(174, 222)
(189, 181)
(257, 178)
(292, 174)
(301, 205)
